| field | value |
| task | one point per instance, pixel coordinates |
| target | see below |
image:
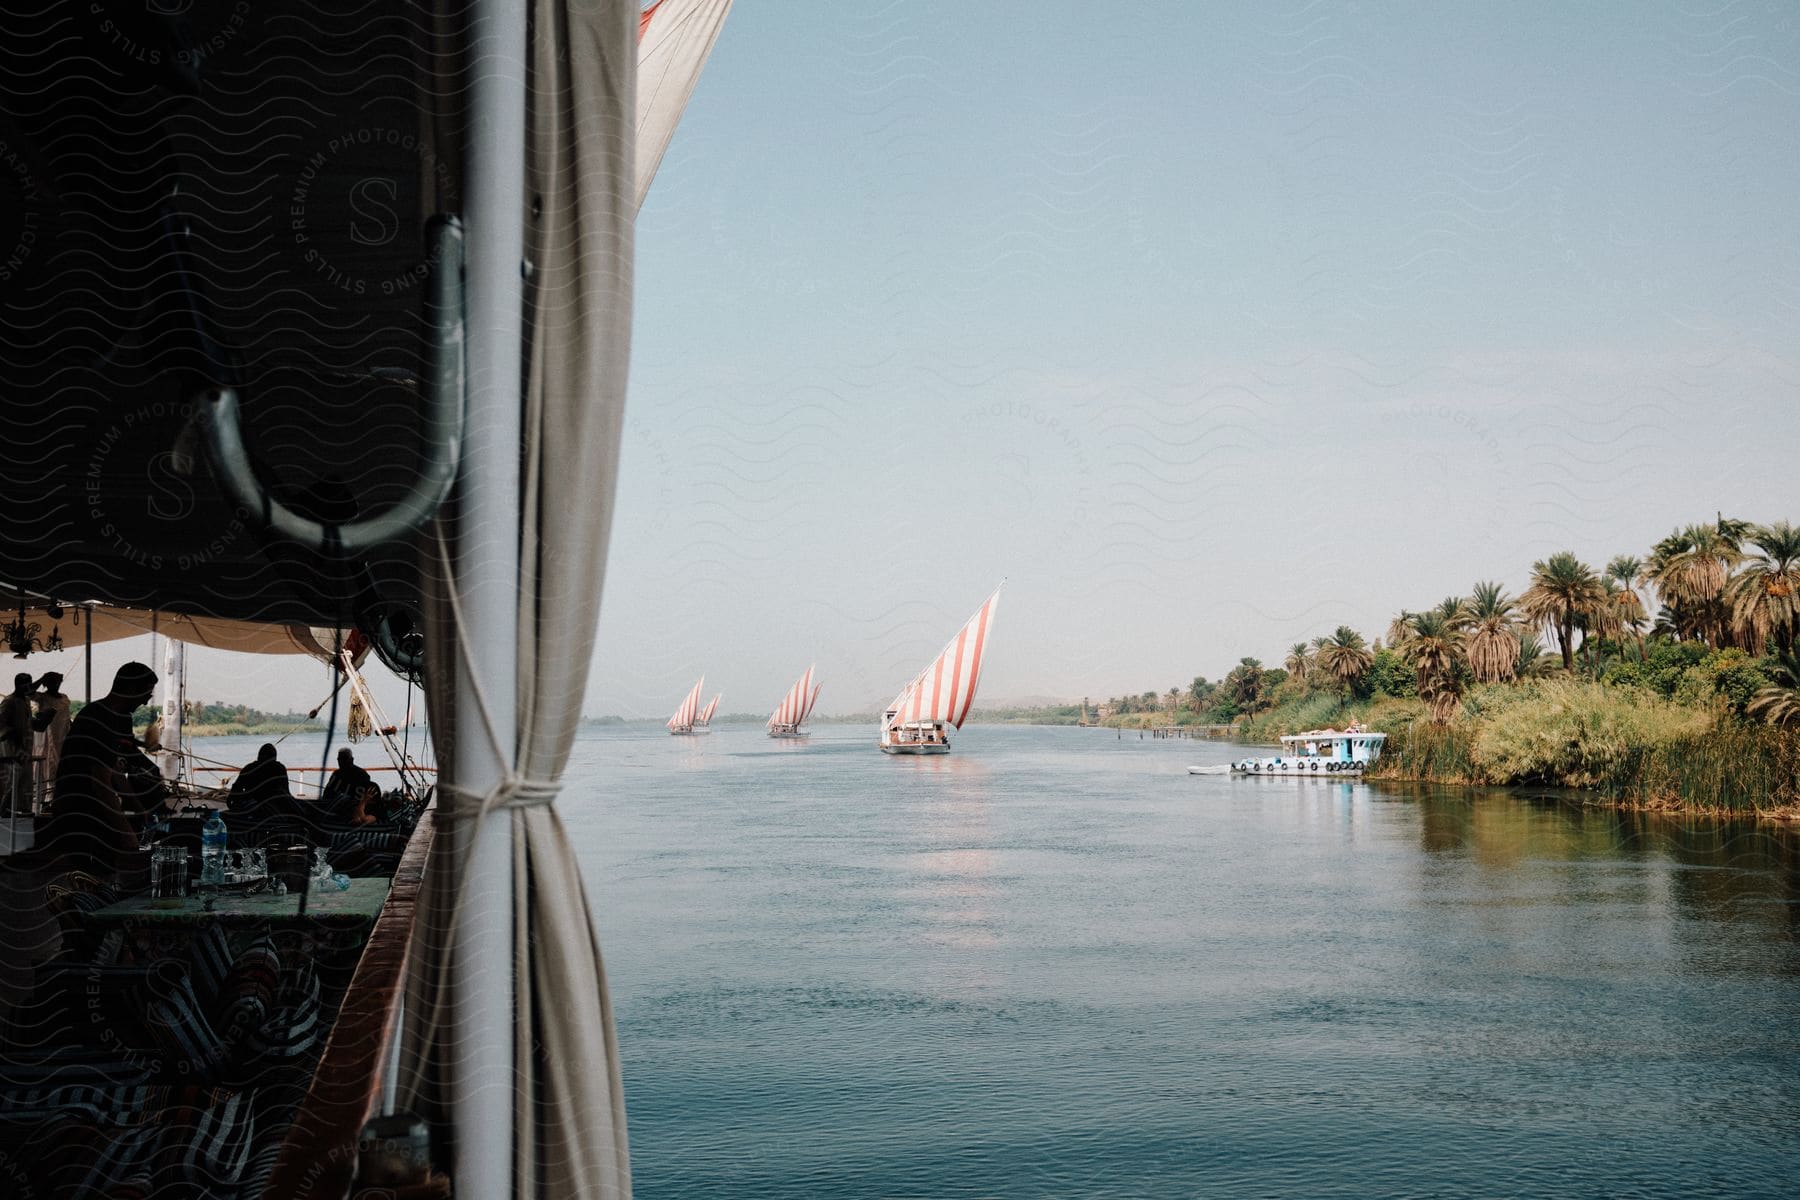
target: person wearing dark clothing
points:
(262, 789)
(350, 792)
(89, 827)
(16, 716)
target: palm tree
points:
(1199, 693)
(1563, 590)
(1779, 703)
(1690, 569)
(1629, 615)
(1245, 684)
(1434, 649)
(1345, 657)
(1531, 655)
(1454, 610)
(1299, 661)
(1765, 598)
(1398, 629)
(1601, 621)
(1174, 702)
(1493, 635)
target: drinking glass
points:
(168, 871)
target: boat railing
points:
(355, 1072)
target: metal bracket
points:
(442, 426)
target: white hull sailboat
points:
(921, 717)
(689, 713)
(795, 707)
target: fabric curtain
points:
(569, 1110)
(580, 173)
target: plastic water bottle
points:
(213, 837)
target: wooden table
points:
(331, 934)
(356, 908)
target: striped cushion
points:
(101, 1105)
(205, 1146)
(248, 991)
(81, 1160)
(210, 959)
(73, 1066)
(260, 1166)
(296, 1029)
(368, 838)
(177, 1024)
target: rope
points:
(512, 791)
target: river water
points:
(1055, 964)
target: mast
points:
(174, 708)
(481, 1068)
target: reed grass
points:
(1626, 744)
(1732, 767)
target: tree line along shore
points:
(207, 719)
(1575, 682)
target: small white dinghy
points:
(1220, 769)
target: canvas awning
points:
(78, 624)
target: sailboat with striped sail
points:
(704, 720)
(689, 712)
(921, 717)
(795, 707)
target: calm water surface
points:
(1054, 964)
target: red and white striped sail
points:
(793, 707)
(945, 690)
(690, 708)
(674, 39)
(814, 700)
(706, 714)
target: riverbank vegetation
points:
(205, 719)
(1572, 682)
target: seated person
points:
(350, 792)
(262, 790)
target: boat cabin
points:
(1332, 745)
(917, 733)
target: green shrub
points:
(1309, 710)
(1573, 733)
(1661, 669)
(1389, 675)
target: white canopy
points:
(111, 623)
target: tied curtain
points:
(569, 1111)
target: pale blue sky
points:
(1209, 328)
